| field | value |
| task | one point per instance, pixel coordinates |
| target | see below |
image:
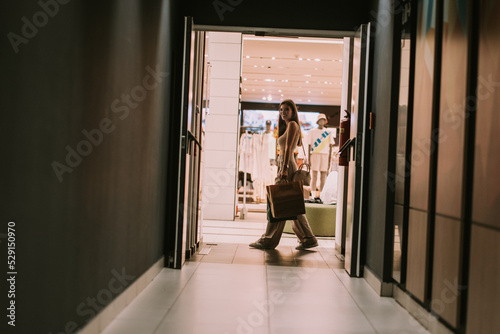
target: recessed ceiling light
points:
(307, 75)
(247, 57)
(300, 58)
(294, 40)
(279, 90)
(263, 90)
(264, 98)
(308, 59)
(317, 59)
(244, 79)
(308, 100)
(307, 81)
(254, 65)
(326, 82)
(273, 58)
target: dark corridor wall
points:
(84, 100)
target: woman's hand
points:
(284, 173)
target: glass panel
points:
(401, 168)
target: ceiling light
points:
(307, 81)
(247, 57)
(308, 100)
(273, 58)
(300, 58)
(307, 75)
(268, 80)
(263, 90)
(264, 98)
(326, 82)
(317, 59)
(309, 91)
(254, 65)
(295, 40)
(269, 98)
(244, 79)
(279, 90)
(308, 59)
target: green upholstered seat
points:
(321, 217)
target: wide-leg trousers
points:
(300, 227)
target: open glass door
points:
(187, 236)
(358, 161)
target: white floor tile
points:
(131, 327)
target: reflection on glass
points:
(396, 264)
(399, 180)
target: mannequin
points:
(271, 142)
(320, 144)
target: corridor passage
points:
(237, 290)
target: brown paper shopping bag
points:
(286, 199)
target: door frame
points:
(174, 252)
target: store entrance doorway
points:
(213, 110)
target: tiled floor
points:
(235, 289)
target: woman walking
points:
(290, 137)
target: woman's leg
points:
(271, 238)
(302, 229)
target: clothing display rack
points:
(248, 131)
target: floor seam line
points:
(176, 298)
(355, 302)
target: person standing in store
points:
(290, 137)
(321, 142)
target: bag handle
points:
(305, 163)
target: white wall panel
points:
(219, 212)
(221, 127)
(221, 142)
(224, 88)
(225, 37)
(221, 124)
(225, 70)
(224, 105)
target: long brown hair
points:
(295, 117)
